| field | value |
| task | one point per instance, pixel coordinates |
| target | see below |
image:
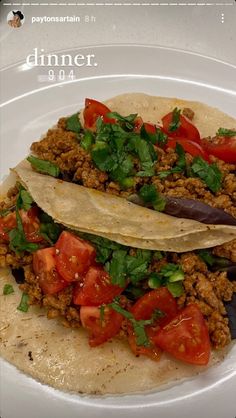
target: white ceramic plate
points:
(31, 104)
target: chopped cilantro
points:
(127, 121)
(43, 166)
(73, 123)
(175, 122)
(117, 268)
(180, 166)
(18, 242)
(139, 330)
(176, 289)
(138, 325)
(206, 256)
(211, 260)
(115, 149)
(171, 275)
(24, 200)
(87, 140)
(154, 281)
(134, 292)
(209, 173)
(157, 138)
(123, 266)
(149, 194)
(49, 230)
(8, 289)
(226, 132)
(158, 255)
(24, 305)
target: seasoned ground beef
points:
(63, 148)
(209, 290)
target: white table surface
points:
(193, 28)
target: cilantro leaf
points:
(147, 157)
(157, 138)
(73, 123)
(181, 154)
(207, 257)
(18, 242)
(175, 122)
(176, 289)
(87, 140)
(49, 230)
(117, 268)
(123, 168)
(154, 281)
(43, 166)
(180, 166)
(139, 330)
(24, 303)
(138, 325)
(149, 194)
(8, 289)
(161, 137)
(209, 173)
(171, 275)
(133, 292)
(24, 200)
(226, 132)
(127, 121)
(122, 266)
(102, 157)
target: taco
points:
(110, 269)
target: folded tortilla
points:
(113, 217)
(61, 357)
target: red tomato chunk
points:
(96, 288)
(44, 266)
(101, 328)
(186, 337)
(74, 256)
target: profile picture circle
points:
(15, 19)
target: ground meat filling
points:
(201, 286)
(63, 148)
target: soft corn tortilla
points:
(113, 217)
(61, 357)
(152, 108)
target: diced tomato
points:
(160, 299)
(149, 127)
(101, 329)
(96, 288)
(44, 266)
(143, 309)
(30, 222)
(74, 256)
(92, 111)
(193, 148)
(221, 147)
(186, 129)
(186, 337)
(153, 352)
(138, 123)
